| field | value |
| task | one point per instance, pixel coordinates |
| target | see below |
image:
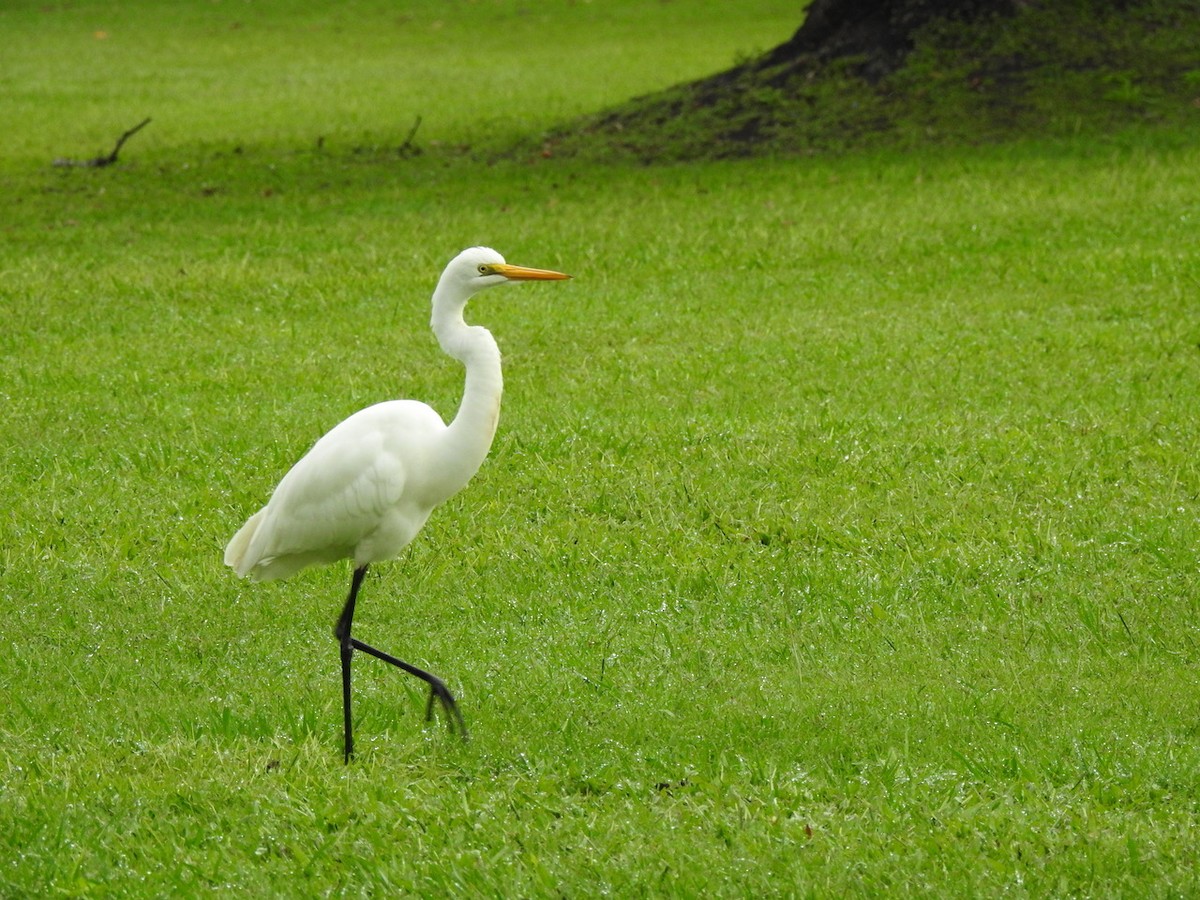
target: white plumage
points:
(353, 495)
(366, 488)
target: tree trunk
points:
(879, 31)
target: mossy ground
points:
(1053, 70)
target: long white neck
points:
(468, 438)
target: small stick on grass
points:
(99, 162)
(407, 148)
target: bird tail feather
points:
(235, 552)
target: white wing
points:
(352, 495)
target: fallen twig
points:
(407, 148)
(99, 162)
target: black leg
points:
(342, 632)
(437, 687)
(348, 644)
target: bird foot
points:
(454, 719)
(437, 687)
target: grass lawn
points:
(840, 536)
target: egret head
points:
(482, 267)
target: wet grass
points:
(839, 537)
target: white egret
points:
(365, 489)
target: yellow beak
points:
(521, 273)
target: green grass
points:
(840, 536)
(354, 74)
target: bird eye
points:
(485, 270)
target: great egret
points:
(365, 489)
